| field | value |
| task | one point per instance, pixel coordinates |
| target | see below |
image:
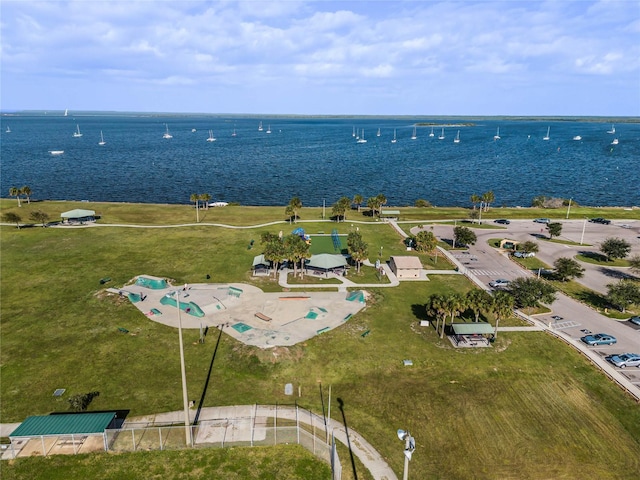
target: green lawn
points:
(530, 407)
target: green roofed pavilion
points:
(65, 424)
(479, 328)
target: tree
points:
(296, 250)
(80, 402)
(623, 294)
(357, 199)
(39, 216)
(275, 252)
(488, 198)
(502, 307)
(12, 217)
(290, 213)
(567, 268)
(195, 198)
(421, 203)
(478, 301)
(374, 205)
(475, 200)
(555, 229)
(382, 200)
(205, 197)
(634, 263)
(26, 191)
(454, 305)
(436, 309)
(357, 248)
(527, 292)
(296, 204)
(614, 248)
(528, 247)
(15, 192)
(464, 236)
(426, 241)
(340, 208)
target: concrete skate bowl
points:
(152, 283)
(187, 307)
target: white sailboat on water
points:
(378, 134)
(167, 135)
(361, 139)
(547, 137)
(615, 141)
(234, 133)
(77, 133)
(613, 130)
(211, 137)
(66, 112)
(354, 132)
(441, 137)
(497, 135)
(432, 134)
(394, 136)
(101, 142)
(260, 127)
(415, 134)
(269, 129)
(8, 129)
(457, 139)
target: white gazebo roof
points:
(78, 213)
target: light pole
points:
(568, 208)
(409, 447)
(185, 397)
(584, 225)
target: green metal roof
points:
(390, 212)
(472, 328)
(65, 424)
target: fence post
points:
(73, 442)
(297, 425)
(160, 437)
(44, 450)
(133, 439)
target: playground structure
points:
(301, 233)
(245, 312)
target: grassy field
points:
(530, 407)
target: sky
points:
(425, 58)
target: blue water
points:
(317, 159)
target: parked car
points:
(502, 221)
(624, 360)
(542, 220)
(501, 282)
(601, 220)
(599, 339)
(625, 225)
(557, 318)
(635, 320)
(524, 254)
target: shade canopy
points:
(326, 261)
(78, 213)
(66, 424)
(260, 260)
(479, 328)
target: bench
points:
(262, 316)
(105, 280)
(123, 330)
(365, 333)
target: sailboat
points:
(394, 136)
(497, 135)
(378, 134)
(441, 137)
(211, 137)
(260, 127)
(613, 130)
(166, 133)
(614, 142)
(457, 139)
(546, 137)
(77, 133)
(361, 139)
(101, 142)
(577, 138)
(431, 134)
(234, 133)
(415, 134)
(8, 129)
(269, 129)
(66, 112)
(354, 132)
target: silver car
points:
(624, 360)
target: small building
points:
(261, 266)
(68, 433)
(509, 244)
(78, 216)
(390, 214)
(405, 266)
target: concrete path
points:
(368, 455)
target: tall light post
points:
(569, 208)
(584, 225)
(185, 397)
(409, 447)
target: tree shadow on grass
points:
(596, 299)
(420, 312)
(595, 256)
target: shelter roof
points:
(64, 424)
(78, 213)
(327, 261)
(472, 328)
(389, 212)
(406, 262)
(260, 260)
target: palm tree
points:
(205, 197)
(195, 198)
(357, 199)
(15, 192)
(475, 200)
(296, 204)
(478, 300)
(357, 248)
(275, 252)
(436, 309)
(502, 307)
(26, 191)
(488, 198)
(454, 305)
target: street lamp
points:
(584, 225)
(185, 397)
(409, 447)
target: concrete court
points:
(286, 318)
